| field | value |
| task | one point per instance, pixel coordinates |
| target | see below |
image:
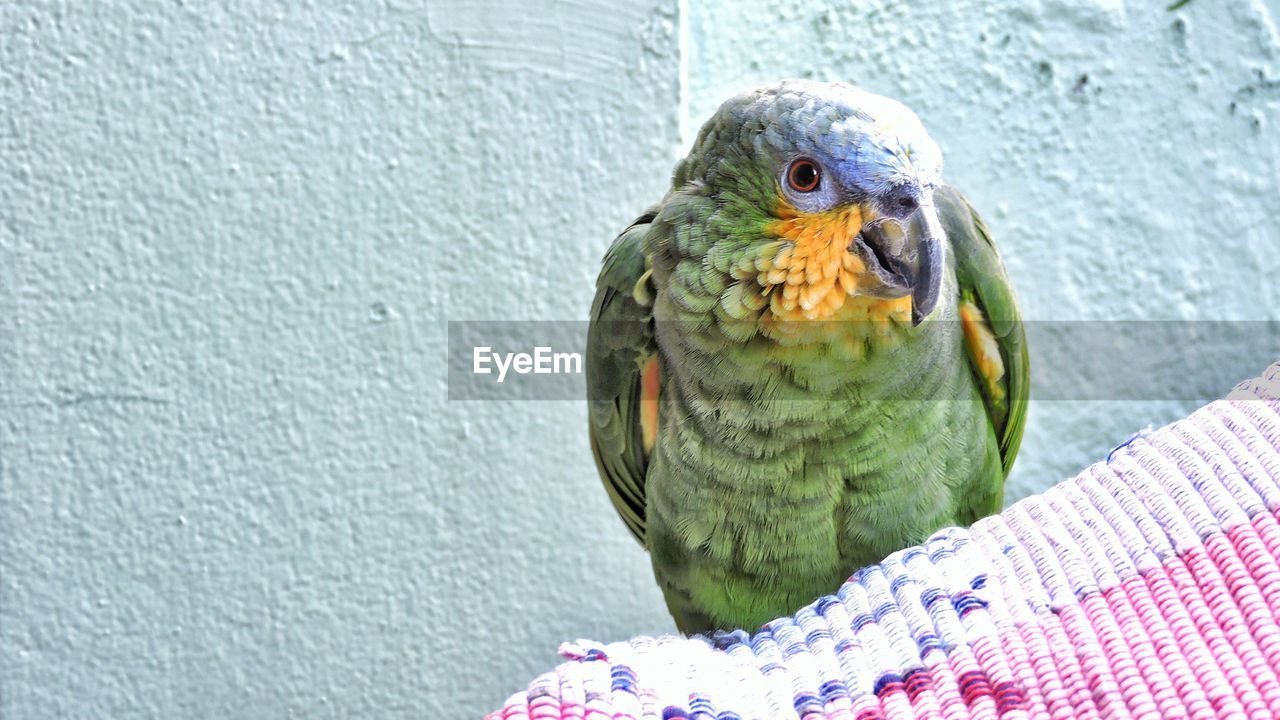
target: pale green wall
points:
(231, 234)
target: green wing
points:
(984, 283)
(620, 347)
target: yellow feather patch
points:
(817, 273)
(983, 348)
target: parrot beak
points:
(905, 254)
(926, 285)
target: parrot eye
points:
(804, 176)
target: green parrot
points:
(805, 357)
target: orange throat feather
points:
(810, 273)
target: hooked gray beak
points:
(906, 256)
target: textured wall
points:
(230, 483)
(231, 234)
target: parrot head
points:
(837, 183)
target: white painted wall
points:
(231, 236)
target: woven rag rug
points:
(1147, 587)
